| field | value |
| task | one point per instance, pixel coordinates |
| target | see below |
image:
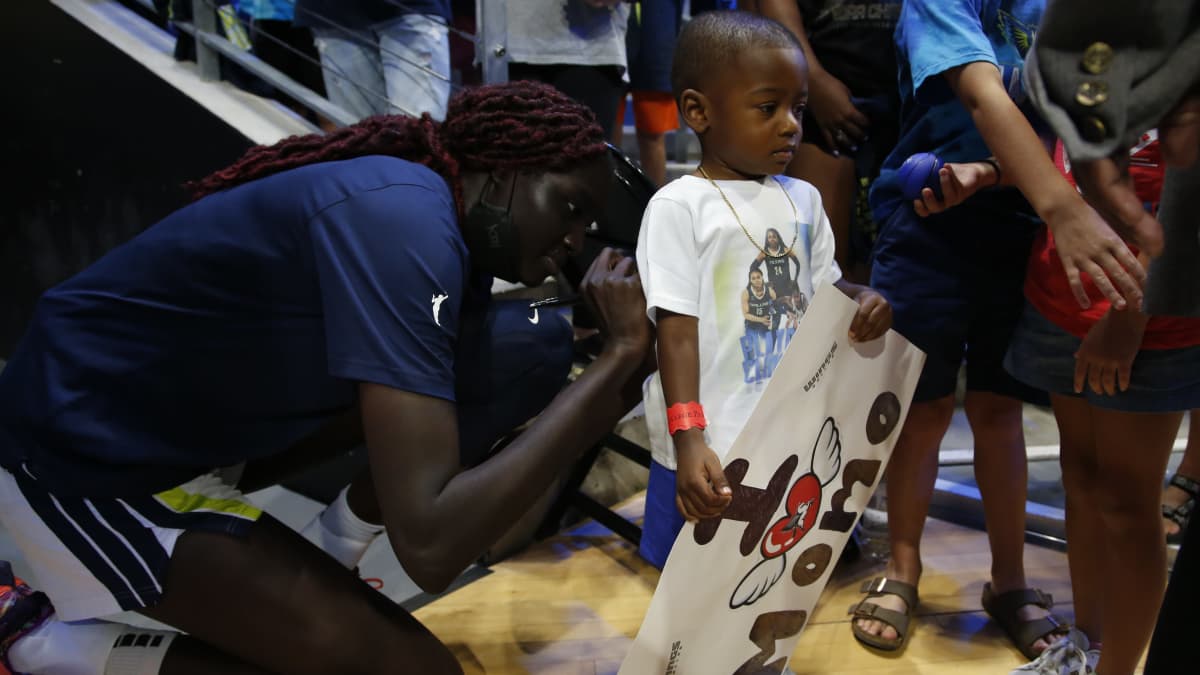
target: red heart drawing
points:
(803, 503)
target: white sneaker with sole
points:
(1068, 656)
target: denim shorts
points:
(399, 66)
(1042, 355)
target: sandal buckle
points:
(875, 585)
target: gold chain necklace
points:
(795, 216)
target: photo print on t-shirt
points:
(772, 304)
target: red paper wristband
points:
(684, 416)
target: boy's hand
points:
(701, 489)
(873, 318)
(959, 181)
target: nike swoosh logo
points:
(534, 319)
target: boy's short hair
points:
(712, 41)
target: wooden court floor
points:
(571, 605)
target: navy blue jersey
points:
(238, 325)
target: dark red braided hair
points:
(520, 126)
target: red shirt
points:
(1046, 285)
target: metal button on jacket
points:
(1091, 93)
(1097, 58)
(1093, 129)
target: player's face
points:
(552, 210)
(772, 239)
(756, 280)
(754, 113)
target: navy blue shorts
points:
(650, 43)
(955, 283)
(663, 520)
(1161, 380)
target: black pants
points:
(508, 369)
(1171, 649)
(598, 87)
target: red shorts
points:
(654, 112)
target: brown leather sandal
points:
(866, 609)
(1003, 610)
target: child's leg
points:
(911, 474)
(1189, 467)
(1085, 531)
(652, 152)
(1111, 463)
(1131, 457)
(917, 268)
(662, 521)
(1001, 473)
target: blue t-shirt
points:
(362, 14)
(239, 325)
(269, 10)
(934, 36)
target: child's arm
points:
(701, 488)
(1104, 359)
(874, 316)
(1085, 242)
(959, 180)
(841, 125)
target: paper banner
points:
(737, 591)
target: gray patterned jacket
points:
(1102, 72)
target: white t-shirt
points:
(694, 258)
(566, 31)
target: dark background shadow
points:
(95, 147)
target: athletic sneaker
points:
(1070, 655)
(21, 610)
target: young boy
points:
(741, 84)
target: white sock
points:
(138, 652)
(65, 648)
(340, 533)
